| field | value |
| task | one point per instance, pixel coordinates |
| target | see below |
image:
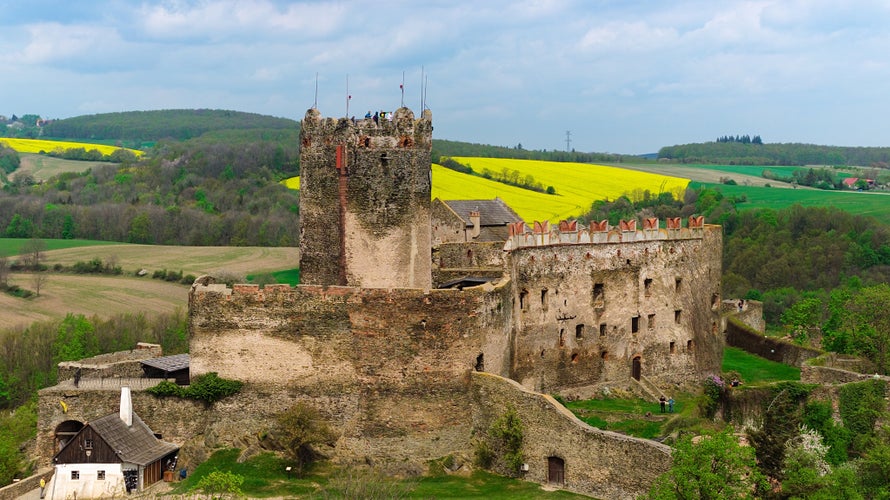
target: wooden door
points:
(556, 469)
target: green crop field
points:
(577, 185)
(876, 204)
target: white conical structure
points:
(126, 412)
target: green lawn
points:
(265, 476)
(628, 416)
(754, 369)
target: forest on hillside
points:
(218, 189)
(723, 152)
(150, 126)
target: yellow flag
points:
(64, 407)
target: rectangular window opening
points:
(650, 321)
(677, 284)
(75, 475)
(647, 286)
(579, 331)
(602, 329)
(544, 299)
(100, 475)
(598, 294)
(673, 347)
(635, 324)
(677, 315)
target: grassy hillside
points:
(108, 295)
(875, 204)
(42, 167)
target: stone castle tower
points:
(365, 201)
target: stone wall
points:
(741, 335)
(389, 368)
(21, 488)
(112, 365)
(584, 312)
(832, 368)
(599, 463)
(457, 260)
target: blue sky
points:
(621, 76)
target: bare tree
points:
(4, 272)
(38, 280)
(33, 251)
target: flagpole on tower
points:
(402, 88)
(348, 97)
(315, 104)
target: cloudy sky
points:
(621, 76)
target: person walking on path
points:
(662, 400)
(671, 405)
(42, 487)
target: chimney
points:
(126, 412)
(476, 219)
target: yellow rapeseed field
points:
(577, 185)
(38, 145)
(292, 182)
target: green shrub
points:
(166, 389)
(299, 431)
(208, 388)
(219, 484)
(502, 445)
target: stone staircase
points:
(649, 388)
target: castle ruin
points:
(407, 372)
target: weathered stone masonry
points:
(365, 201)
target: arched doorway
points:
(637, 368)
(556, 470)
(64, 432)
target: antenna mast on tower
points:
(568, 140)
(348, 97)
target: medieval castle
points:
(419, 322)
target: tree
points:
(4, 272)
(33, 250)
(806, 469)
(38, 279)
(221, 484)
(867, 325)
(76, 339)
(299, 431)
(711, 466)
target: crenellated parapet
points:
(569, 233)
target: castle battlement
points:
(568, 233)
(402, 131)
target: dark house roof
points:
(168, 363)
(491, 212)
(135, 444)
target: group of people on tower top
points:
(379, 115)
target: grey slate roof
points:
(491, 212)
(169, 363)
(136, 444)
